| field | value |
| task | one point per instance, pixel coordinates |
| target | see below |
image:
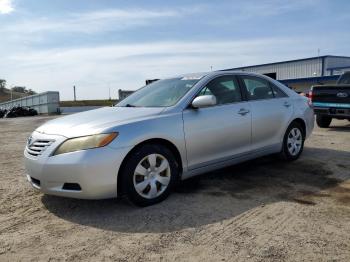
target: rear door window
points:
(344, 79)
(277, 92)
(257, 88)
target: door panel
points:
(269, 121)
(271, 111)
(217, 133)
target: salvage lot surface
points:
(263, 210)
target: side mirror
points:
(204, 101)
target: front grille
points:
(38, 147)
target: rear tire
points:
(149, 175)
(323, 121)
(293, 142)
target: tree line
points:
(18, 89)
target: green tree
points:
(31, 92)
(19, 89)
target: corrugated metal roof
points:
(289, 61)
(309, 79)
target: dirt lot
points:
(263, 210)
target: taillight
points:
(310, 96)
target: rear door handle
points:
(243, 111)
(287, 104)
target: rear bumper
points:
(309, 117)
(333, 112)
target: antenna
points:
(318, 52)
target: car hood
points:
(96, 121)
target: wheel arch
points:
(157, 141)
(301, 122)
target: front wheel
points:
(323, 121)
(293, 142)
(149, 174)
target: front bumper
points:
(94, 170)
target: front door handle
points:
(243, 111)
(286, 104)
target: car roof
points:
(200, 75)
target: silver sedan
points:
(167, 131)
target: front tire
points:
(149, 174)
(293, 142)
(323, 121)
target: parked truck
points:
(331, 101)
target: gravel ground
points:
(263, 210)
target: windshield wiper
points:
(129, 105)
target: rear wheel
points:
(323, 121)
(293, 142)
(149, 174)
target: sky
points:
(102, 45)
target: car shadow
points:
(210, 198)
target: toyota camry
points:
(167, 131)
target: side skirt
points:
(232, 161)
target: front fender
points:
(168, 127)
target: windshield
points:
(161, 93)
(344, 79)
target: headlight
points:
(85, 142)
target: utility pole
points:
(75, 95)
(109, 90)
(11, 92)
(318, 56)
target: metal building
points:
(122, 94)
(44, 103)
(301, 74)
(125, 93)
